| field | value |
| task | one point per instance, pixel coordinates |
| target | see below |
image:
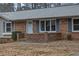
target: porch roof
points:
(43, 13)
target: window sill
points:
(75, 31)
(47, 31)
(6, 33)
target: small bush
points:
(14, 35)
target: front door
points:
(29, 27)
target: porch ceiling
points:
(43, 13)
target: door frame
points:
(27, 26)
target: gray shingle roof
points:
(43, 13)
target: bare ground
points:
(55, 48)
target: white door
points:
(29, 27)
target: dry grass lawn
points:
(55, 48)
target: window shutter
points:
(69, 24)
(57, 25)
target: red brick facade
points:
(45, 37)
(34, 26)
(42, 37)
(63, 25)
(75, 35)
(64, 30)
(20, 26)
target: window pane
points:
(8, 24)
(52, 25)
(76, 21)
(8, 27)
(76, 27)
(48, 25)
(42, 26)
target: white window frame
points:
(45, 25)
(73, 25)
(6, 27)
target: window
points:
(42, 26)
(47, 25)
(75, 24)
(8, 27)
(52, 25)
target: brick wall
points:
(34, 26)
(63, 25)
(35, 37)
(42, 37)
(20, 26)
(75, 35)
(54, 36)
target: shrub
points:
(14, 35)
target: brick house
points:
(42, 24)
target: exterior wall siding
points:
(1, 26)
(13, 26)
